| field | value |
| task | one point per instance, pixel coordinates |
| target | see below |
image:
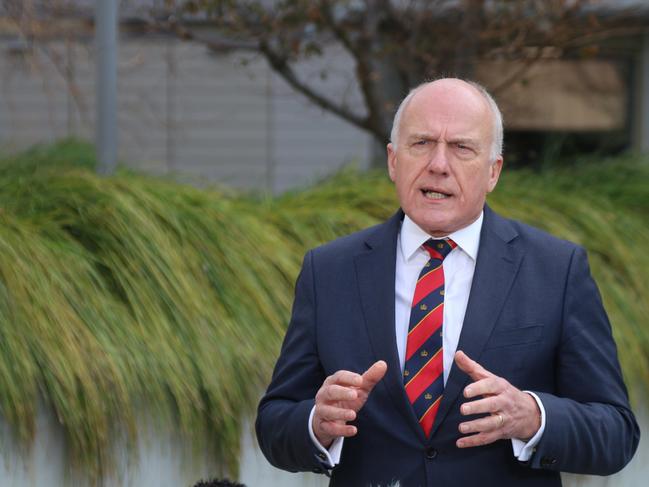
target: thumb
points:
(374, 374)
(472, 368)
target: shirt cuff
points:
(332, 455)
(523, 451)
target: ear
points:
(494, 173)
(392, 161)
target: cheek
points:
(405, 177)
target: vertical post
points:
(170, 103)
(270, 133)
(106, 84)
(69, 79)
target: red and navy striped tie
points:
(423, 375)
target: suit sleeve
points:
(283, 413)
(590, 428)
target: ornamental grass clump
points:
(130, 295)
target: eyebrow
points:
(421, 136)
(460, 140)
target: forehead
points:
(451, 110)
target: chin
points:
(433, 226)
(437, 230)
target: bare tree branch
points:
(282, 67)
(358, 51)
(278, 62)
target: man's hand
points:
(341, 396)
(513, 413)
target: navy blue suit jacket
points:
(534, 317)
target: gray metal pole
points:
(106, 47)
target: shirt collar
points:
(467, 238)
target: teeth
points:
(434, 195)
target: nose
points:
(438, 160)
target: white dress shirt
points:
(459, 266)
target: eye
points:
(464, 148)
(421, 142)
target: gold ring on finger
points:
(501, 418)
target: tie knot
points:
(439, 249)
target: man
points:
(447, 346)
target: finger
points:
(326, 412)
(345, 378)
(478, 440)
(374, 374)
(335, 429)
(471, 367)
(333, 393)
(489, 404)
(489, 423)
(483, 387)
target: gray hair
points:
(497, 136)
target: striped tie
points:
(424, 369)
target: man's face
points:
(441, 166)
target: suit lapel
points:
(375, 271)
(499, 258)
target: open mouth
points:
(434, 195)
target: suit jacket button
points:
(431, 453)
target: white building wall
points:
(184, 110)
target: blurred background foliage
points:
(133, 292)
